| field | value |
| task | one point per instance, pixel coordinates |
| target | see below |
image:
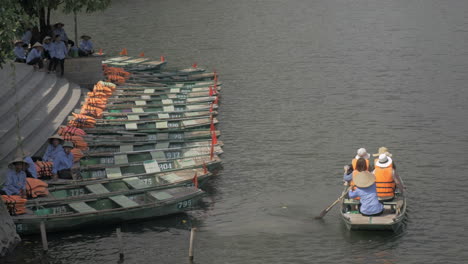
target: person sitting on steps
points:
(54, 148)
(35, 56)
(16, 178)
(63, 162)
(20, 53)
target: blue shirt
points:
(20, 53)
(52, 152)
(62, 161)
(47, 46)
(15, 182)
(86, 45)
(58, 50)
(369, 201)
(62, 33)
(32, 166)
(34, 53)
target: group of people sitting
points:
(54, 48)
(58, 151)
(372, 184)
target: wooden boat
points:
(391, 219)
(141, 127)
(113, 158)
(148, 102)
(123, 97)
(105, 210)
(163, 109)
(124, 168)
(160, 138)
(186, 71)
(178, 78)
(71, 189)
(115, 118)
(107, 148)
(168, 85)
(135, 63)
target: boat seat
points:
(162, 145)
(97, 188)
(136, 183)
(123, 201)
(351, 202)
(82, 207)
(160, 195)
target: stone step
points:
(44, 121)
(23, 73)
(38, 95)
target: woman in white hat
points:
(361, 153)
(35, 56)
(54, 148)
(16, 178)
(364, 187)
(64, 162)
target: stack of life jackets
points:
(78, 141)
(71, 131)
(77, 154)
(35, 188)
(90, 110)
(82, 121)
(44, 169)
(15, 204)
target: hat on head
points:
(85, 37)
(68, 144)
(19, 42)
(11, 165)
(56, 136)
(363, 179)
(47, 38)
(37, 44)
(362, 153)
(384, 161)
(382, 150)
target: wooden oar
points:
(325, 211)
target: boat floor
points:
(385, 219)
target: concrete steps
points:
(45, 101)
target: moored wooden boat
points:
(163, 109)
(140, 156)
(391, 220)
(148, 102)
(135, 63)
(169, 85)
(204, 76)
(153, 127)
(106, 210)
(113, 118)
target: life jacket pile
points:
(71, 131)
(78, 141)
(15, 204)
(77, 154)
(82, 121)
(44, 169)
(35, 188)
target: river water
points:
(305, 84)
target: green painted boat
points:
(204, 76)
(131, 138)
(114, 118)
(136, 91)
(176, 125)
(118, 147)
(124, 168)
(140, 156)
(148, 102)
(186, 71)
(163, 109)
(70, 189)
(135, 63)
(153, 96)
(79, 213)
(391, 220)
(182, 85)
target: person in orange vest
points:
(384, 150)
(385, 179)
(360, 166)
(361, 153)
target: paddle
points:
(325, 211)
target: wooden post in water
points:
(192, 237)
(45, 245)
(119, 237)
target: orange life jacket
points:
(15, 204)
(384, 181)
(35, 188)
(354, 161)
(44, 169)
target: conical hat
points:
(37, 44)
(17, 160)
(364, 179)
(56, 136)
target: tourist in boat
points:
(86, 46)
(383, 150)
(58, 54)
(35, 56)
(365, 188)
(20, 52)
(47, 45)
(16, 178)
(385, 178)
(64, 162)
(31, 171)
(361, 153)
(360, 166)
(54, 148)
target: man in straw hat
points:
(364, 187)
(383, 150)
(86, 46)
(54, 148)
(16, 178)
(35, 56)
(64, 162)
(385, 177)
(19, 51)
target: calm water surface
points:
(306, 83)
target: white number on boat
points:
(59, 210)
(172, 155)
(148, 181)
(77, 192)
(184, 204)
(165, 166)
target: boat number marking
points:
(184, 204)
(59, 210)
(77, 192)
(165, 166)
(148, 181)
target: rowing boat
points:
(163, 109)
(135, 63)
(115, 118)
(391, 220)
(106, 210)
